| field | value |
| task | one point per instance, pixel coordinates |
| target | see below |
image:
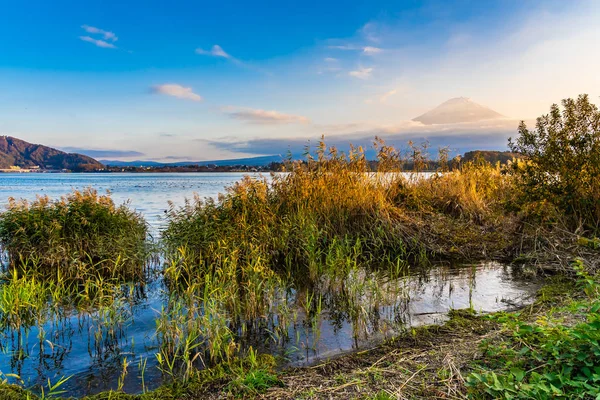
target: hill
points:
(491, 156)
(17, 152)
(457, 110)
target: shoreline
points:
(411, 364)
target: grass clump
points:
(255, 378)
(336, 211)
(325, 212)
(82, 232)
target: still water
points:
(77, 344)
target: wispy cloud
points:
(361, 73)
(370, 50)
(215, 51)
(98, 42)
(257, 116)
(175, 90)
(370, 31)
(367, 50)
(107, 35)
(107, 38)
(218, 52)
(331, 65)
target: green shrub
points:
(79, 234)
(562, 165)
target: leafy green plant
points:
(255, 376)
(547, 358)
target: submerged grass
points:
(470, 356)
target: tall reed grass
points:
(336, 207)
(312, 240)
(81, 233)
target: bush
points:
(562, 165)
(79, 234)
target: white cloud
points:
(107, 35)
(370, 50)
(361, 73)
(174, 90)
(215, 51)
(330, 59)
(371, 32)
(98, 42)
(257, 116)
(367, 50)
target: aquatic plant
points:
(336, 210)
(323, 231)
(82, 233)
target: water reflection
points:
(336, 315)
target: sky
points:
(190, 80)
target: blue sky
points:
(198, 80)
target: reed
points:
(316, 238)
(336, 209)
(81, 233)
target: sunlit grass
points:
(83, 233)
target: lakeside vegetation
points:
(80, 235)
(322, 236)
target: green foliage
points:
(593, 243)
(548, 358)
(383, 395)
(254, 376)
(254, 381)
(562, 164)
(81, 233)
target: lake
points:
(79, 344)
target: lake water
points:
(77, 344)
(148, 193)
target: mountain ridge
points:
(16, 152)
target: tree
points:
(562, 163)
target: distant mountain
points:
(457, 110)
(136, 163)
(17, 152)
(252, 161)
